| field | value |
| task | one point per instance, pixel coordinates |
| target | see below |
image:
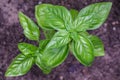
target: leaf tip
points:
(20, 14)
(6, 74)
(109, 4)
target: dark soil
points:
(103, 68)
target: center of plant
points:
(74, 36)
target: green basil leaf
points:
(20, 66)
(83, 50)
(92, 16)
(43, 43)
(42, 65)
(52, 17)
(49, 33)
(27, 49)
(59, 39)
(74, 13)
(31, 31)
(54, 57)
(98, 45)
(39, 63)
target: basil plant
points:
(65, 30)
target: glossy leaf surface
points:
(59, 39)
(83, 50)
(98, 45)
(31, 31)
(41, 64)
(20, 66)
(54, 57)
(92, 16)
(27, 49)
(52, 16)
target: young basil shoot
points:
(64, 30)
(29, 53)
(71, 29)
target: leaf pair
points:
(23, 62)
(59, 18)
(71, 27)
